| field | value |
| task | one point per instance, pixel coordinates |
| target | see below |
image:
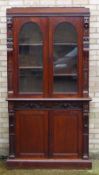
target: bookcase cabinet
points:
(48, 98)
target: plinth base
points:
(49, 163)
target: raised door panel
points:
(66, 134)
(31, 133)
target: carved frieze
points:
(47, 105)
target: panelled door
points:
(66, 134)
(32, 133)
(53, 134)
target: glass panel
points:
(30, 80)
(30, 59)
(65, 59)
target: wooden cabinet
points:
(48, 98)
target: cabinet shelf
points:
(40, 44)
(30, 44)
(31, 67)
(67, 44)
(66, 75)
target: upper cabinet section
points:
(48, 52)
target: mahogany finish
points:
(48, 114)
(64, 11)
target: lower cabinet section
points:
(52, 134)
(48, 135)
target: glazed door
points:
(65, 51)
(31, 57)
(48, 57)
(31, 134)
(66, 134)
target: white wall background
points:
(94, 64)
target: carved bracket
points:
(9, 34)
(86, 34)
(86, 25)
